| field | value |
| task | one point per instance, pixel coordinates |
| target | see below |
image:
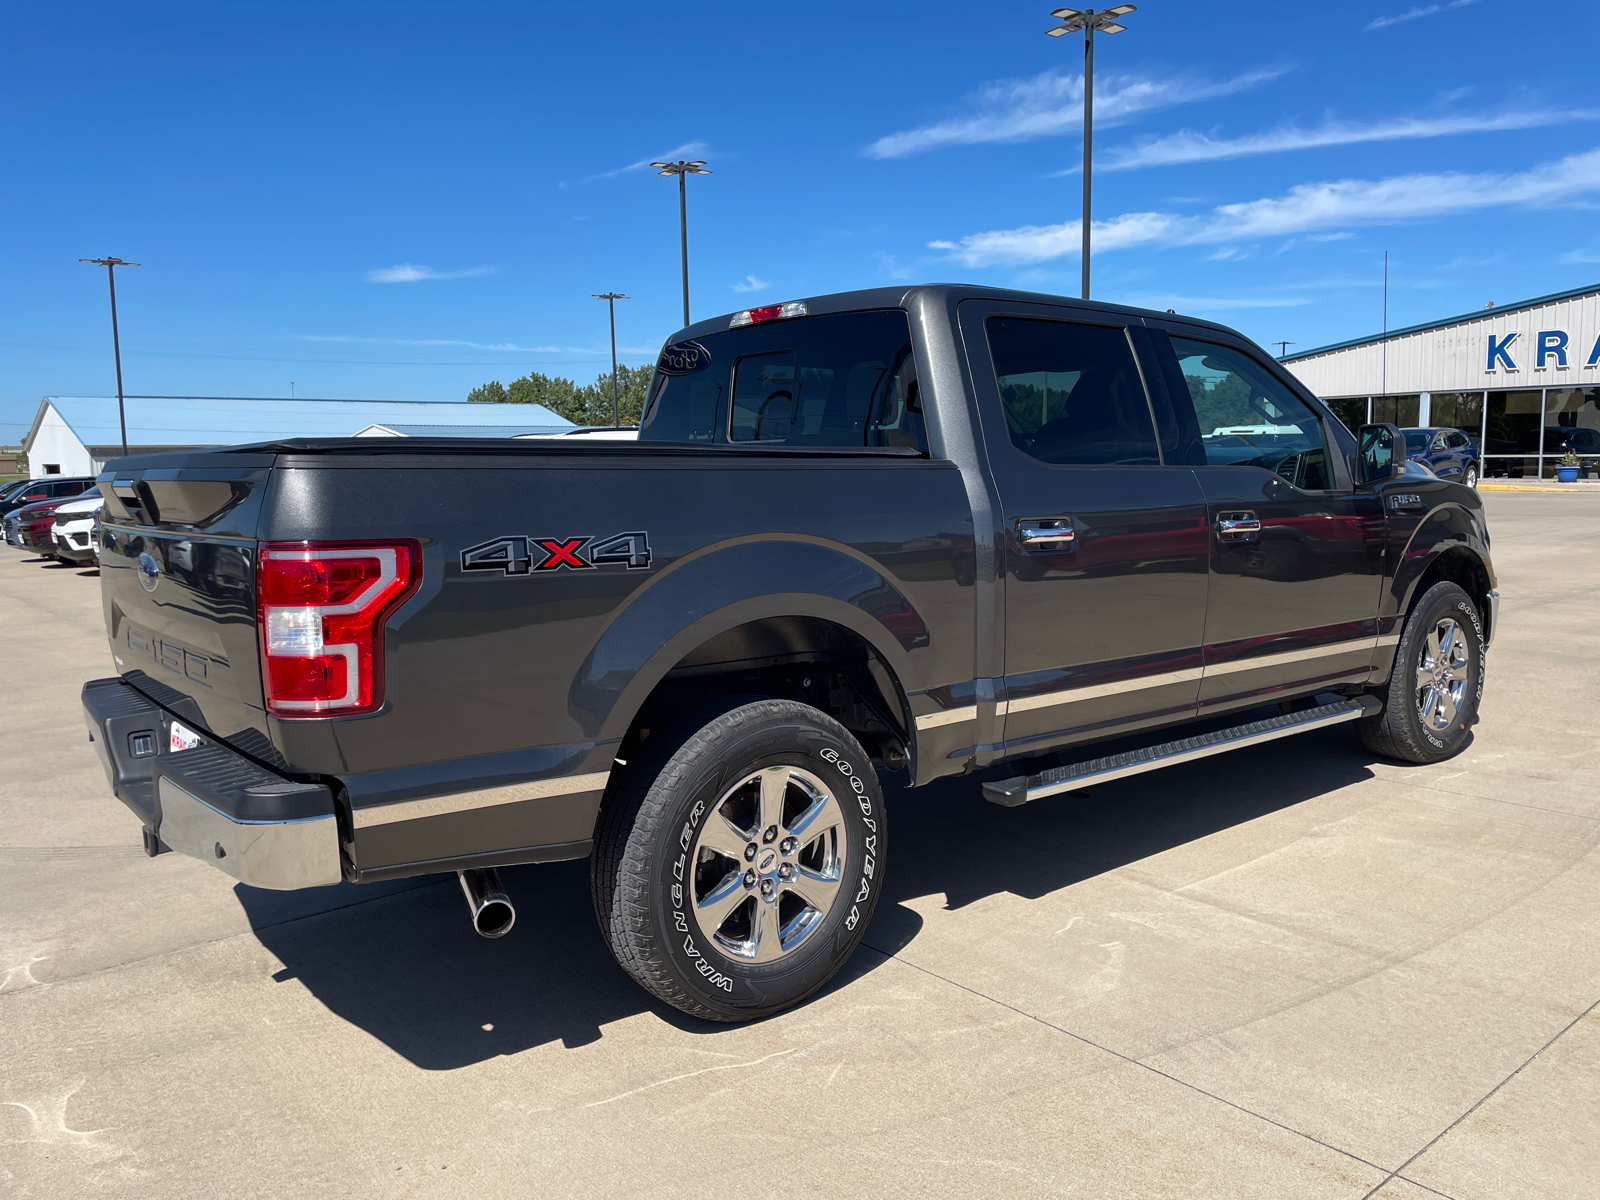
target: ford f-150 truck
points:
(924, 530)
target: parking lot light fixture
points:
(681, 169)
(1091, 23)
(111, 265)
(611, 299)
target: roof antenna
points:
(1283, 347)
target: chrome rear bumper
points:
(210, 802)
(281, 855)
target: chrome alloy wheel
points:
(767, 863)
(1442, 675)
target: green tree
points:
(1219, 403)
(591, 405)
(490, 393)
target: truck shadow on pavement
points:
(400, 960)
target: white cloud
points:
(1305, 208)
(750, 284)
(1051, 103)
(411, 273)
(1411, 14)
(1187, 146)
(890, 266)
(1039, 243)
(1580, 256)
(689, 150)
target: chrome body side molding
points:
(457, 802)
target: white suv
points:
(73, 532)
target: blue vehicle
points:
(1448, 453)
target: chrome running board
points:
(1012, 792)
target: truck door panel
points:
(1296, 555)
(1105, 547)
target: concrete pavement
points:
(1295, 970)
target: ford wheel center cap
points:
(149, 572)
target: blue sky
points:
(400, 201)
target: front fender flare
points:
(1448, 528)
(726, 586)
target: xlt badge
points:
(520, 555)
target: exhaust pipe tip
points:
(493, 914)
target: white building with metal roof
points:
(77, 435)
(1499, 374)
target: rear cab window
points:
(841, 379)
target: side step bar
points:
(1012, 792)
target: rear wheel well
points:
(805, 659)
(1466, 571)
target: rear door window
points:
(1071, 393)
(844, 379)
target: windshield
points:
(1417, 439)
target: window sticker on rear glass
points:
(684, 358)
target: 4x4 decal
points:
(534, 555)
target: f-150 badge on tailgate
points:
(534, 555)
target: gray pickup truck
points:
(925, 530)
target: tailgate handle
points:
(1238, 527)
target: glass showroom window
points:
(1397, 410)
(1351, 410)
(1511, 432)
(1458, 410)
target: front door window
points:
(1247, 418)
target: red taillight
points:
(321, 611)
(768, 312)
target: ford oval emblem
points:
(683, 358)
(149, 572)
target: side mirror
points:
(1381, 457)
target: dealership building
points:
(1499, 374)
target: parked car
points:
(73, 531)
(33, 524)
(1447, 452)
(51, 487)
(922, 529)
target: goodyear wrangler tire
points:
(738, 864)
(1436, 683)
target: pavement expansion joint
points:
(1136, 1062)
(1482, 1100)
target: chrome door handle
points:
(1055, 533)
(1238, 527)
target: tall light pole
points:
(680, 169)
(1091, 23)
(611, 299)
(111, 265)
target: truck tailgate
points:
(178, 584)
